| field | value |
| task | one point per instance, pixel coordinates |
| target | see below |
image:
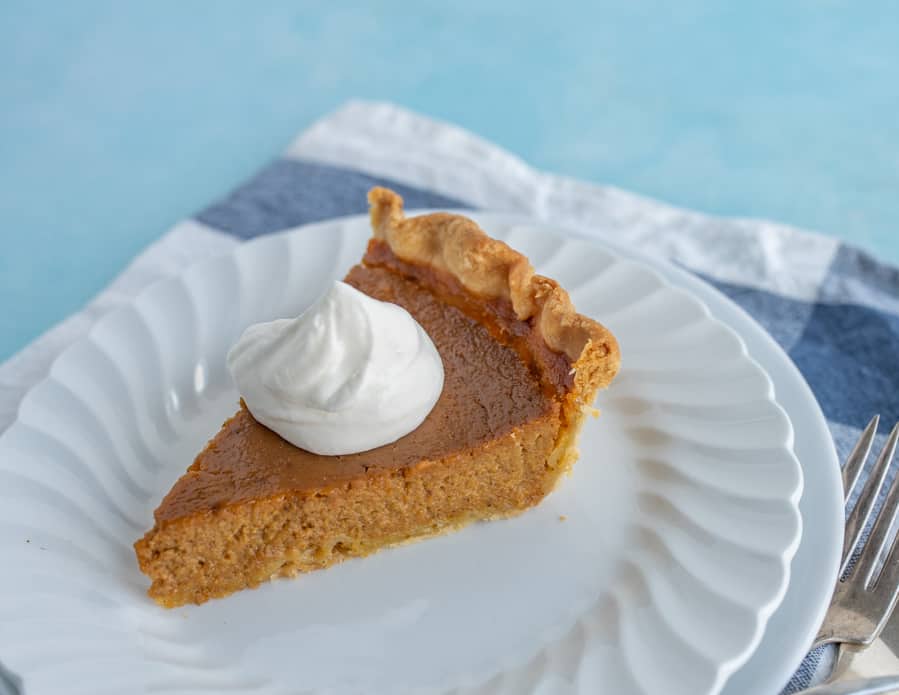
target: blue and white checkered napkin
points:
(833, 308)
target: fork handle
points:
(866, 686)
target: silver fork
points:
(866, 594)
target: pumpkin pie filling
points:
(482, 399)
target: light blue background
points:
(117, 119)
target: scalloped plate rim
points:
(768, 678)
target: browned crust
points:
(488, 268)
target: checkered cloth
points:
(833, 308)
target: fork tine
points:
(883, 524)
(856, 462)
(888, 579)
(860, 515)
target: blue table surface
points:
(118, 119)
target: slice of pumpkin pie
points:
(520, 370)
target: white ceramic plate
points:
(681, 515)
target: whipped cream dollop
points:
(349, 374)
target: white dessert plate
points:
(652, 569)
